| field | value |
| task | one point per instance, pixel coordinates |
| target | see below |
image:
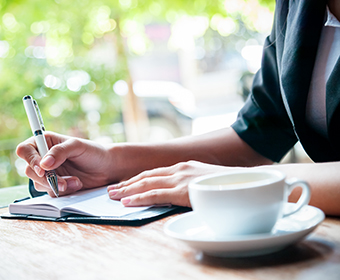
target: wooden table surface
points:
(49, 250)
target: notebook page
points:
(102, 205)
(50, 206)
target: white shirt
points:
(327, 56)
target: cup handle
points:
(304, 198)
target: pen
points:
(37, 126)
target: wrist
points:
(123, 162)
(129, 159)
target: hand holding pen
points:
(80, 163)
(37, 126)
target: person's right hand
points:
(79, 163)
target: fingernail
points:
(48, 161)
(112, 187)
(61, 186)
(125, 201)
(73, 183)
(112, 193)
(38, 171)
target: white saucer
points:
(189, 229)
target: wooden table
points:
(49, 250)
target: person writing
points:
(295, 97)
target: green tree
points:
(69, 54)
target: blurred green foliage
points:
(68, 54)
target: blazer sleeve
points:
(263, 122)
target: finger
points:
(144, 185)
(53, 138)
(59, 153)
(66, 184)
(40, 183)
(72, 184)
(41, 188)
(161, 171)
(27, 150)
(157, 197)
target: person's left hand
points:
(162, 185)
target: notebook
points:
(92, 206)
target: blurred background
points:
(125, 70)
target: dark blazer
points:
(273, 117)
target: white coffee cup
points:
(247, 201)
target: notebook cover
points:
(133, 219)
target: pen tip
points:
(53, 182)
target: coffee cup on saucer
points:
(244, 202)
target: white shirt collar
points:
(331, 20)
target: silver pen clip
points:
(39, 115)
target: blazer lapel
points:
(332, 105)
(304, 25)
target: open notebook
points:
(92, 206)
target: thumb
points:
(59, 153)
